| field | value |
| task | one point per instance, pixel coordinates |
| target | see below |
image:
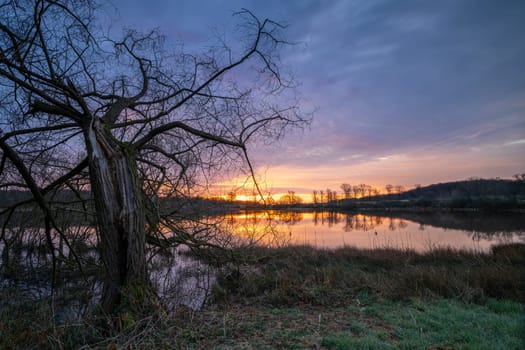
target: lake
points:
(420, 231)
(25, 260)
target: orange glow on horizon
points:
(423, 167)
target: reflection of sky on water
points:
(331, 229)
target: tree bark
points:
(120, 216)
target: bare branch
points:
(179, 125)
(37, 194)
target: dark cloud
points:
(387, 77)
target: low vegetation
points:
(298, 275)
(306, 298)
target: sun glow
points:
(408, 170)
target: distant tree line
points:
(290, 198)
(473, 192)
(358, 191)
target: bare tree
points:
(232, 195)
(356, 190)
(369, 190)
(290, 198)
(128, 119)
(389, 188)
(347, 190)
(329, 196)
(399, 189)
(362, 190)
(315, 198)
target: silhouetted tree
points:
(347, 190)
(389, 188)
(369, 190)
(328, 195)
(127, 120)
(399, 189)
(356, 190)
(362, 188)
(232, 196)
(290, 199)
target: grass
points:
(376, 324)
(303, 298)
(438, 324)
(296, 275)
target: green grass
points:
(303, 298)
(439, 324)
(365, 324)
(414, 324)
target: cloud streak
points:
(433, 87)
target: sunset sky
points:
(404, 92)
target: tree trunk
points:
(120, 216)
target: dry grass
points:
(304, 275)
(305, 298)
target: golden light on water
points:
(335, 229)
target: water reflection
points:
(26, 262)
(31, 272)
(181, 280)
(420, 231)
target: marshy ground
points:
(306, 298)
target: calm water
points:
(418, 231)
(181, 279)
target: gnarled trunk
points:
(120, 216)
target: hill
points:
(475, 188)
(473, 193)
